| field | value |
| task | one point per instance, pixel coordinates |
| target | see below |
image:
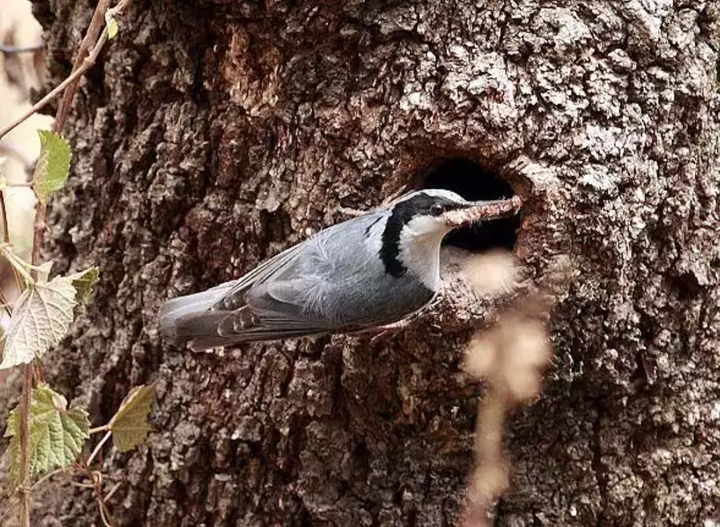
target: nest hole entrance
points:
(474, 183)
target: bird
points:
(367, 272)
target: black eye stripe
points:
(403, 213)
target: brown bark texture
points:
(214, 134)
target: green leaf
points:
(13, 431)
(111, 23)
(41, 317)
(130, 424)
(57, 434)
(53, 165)
(83, 282)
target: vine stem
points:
(25, 446)
(82, 64)
(69, 84)
(6, 240)
(6, 232)
(94, 40)
(98, 429)
(49, 475)
(98, 448)
(11, 50)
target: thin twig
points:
(96, 24)
(82, 64)
(61, 470)
(86, 65)
(82, 485)
(6, 239)
(18, 264)
(3, 205)
(38, 373)
(97, 34)
(120, 8)
(24, 487)
(98, 448)
(97, 479)
(5, 303)
(40, 212)
(10, 50)
(104, 512)
(97, 429)
(18, 284)
(112, 491)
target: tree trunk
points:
(214, 134)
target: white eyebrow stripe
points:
(433, 192)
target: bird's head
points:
(435, 212)
(418, 222)
(425, 212)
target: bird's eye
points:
(436, 209)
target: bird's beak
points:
(482, 211)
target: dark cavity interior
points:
(475, 183)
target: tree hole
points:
(475, 183)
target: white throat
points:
(420, 249)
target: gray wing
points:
(297, 292)
(235, 297)
(335, 282)
(304, 260)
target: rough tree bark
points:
(216, 133)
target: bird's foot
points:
(382, 331)
(377, 333)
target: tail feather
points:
(188, 316)
(196, 321)
(205, 343)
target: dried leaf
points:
(83, 282)
(491, 274)
(130, 424)
(111, 23)
(481, 356)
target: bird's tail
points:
(190, 317)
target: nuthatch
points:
(364, 273)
